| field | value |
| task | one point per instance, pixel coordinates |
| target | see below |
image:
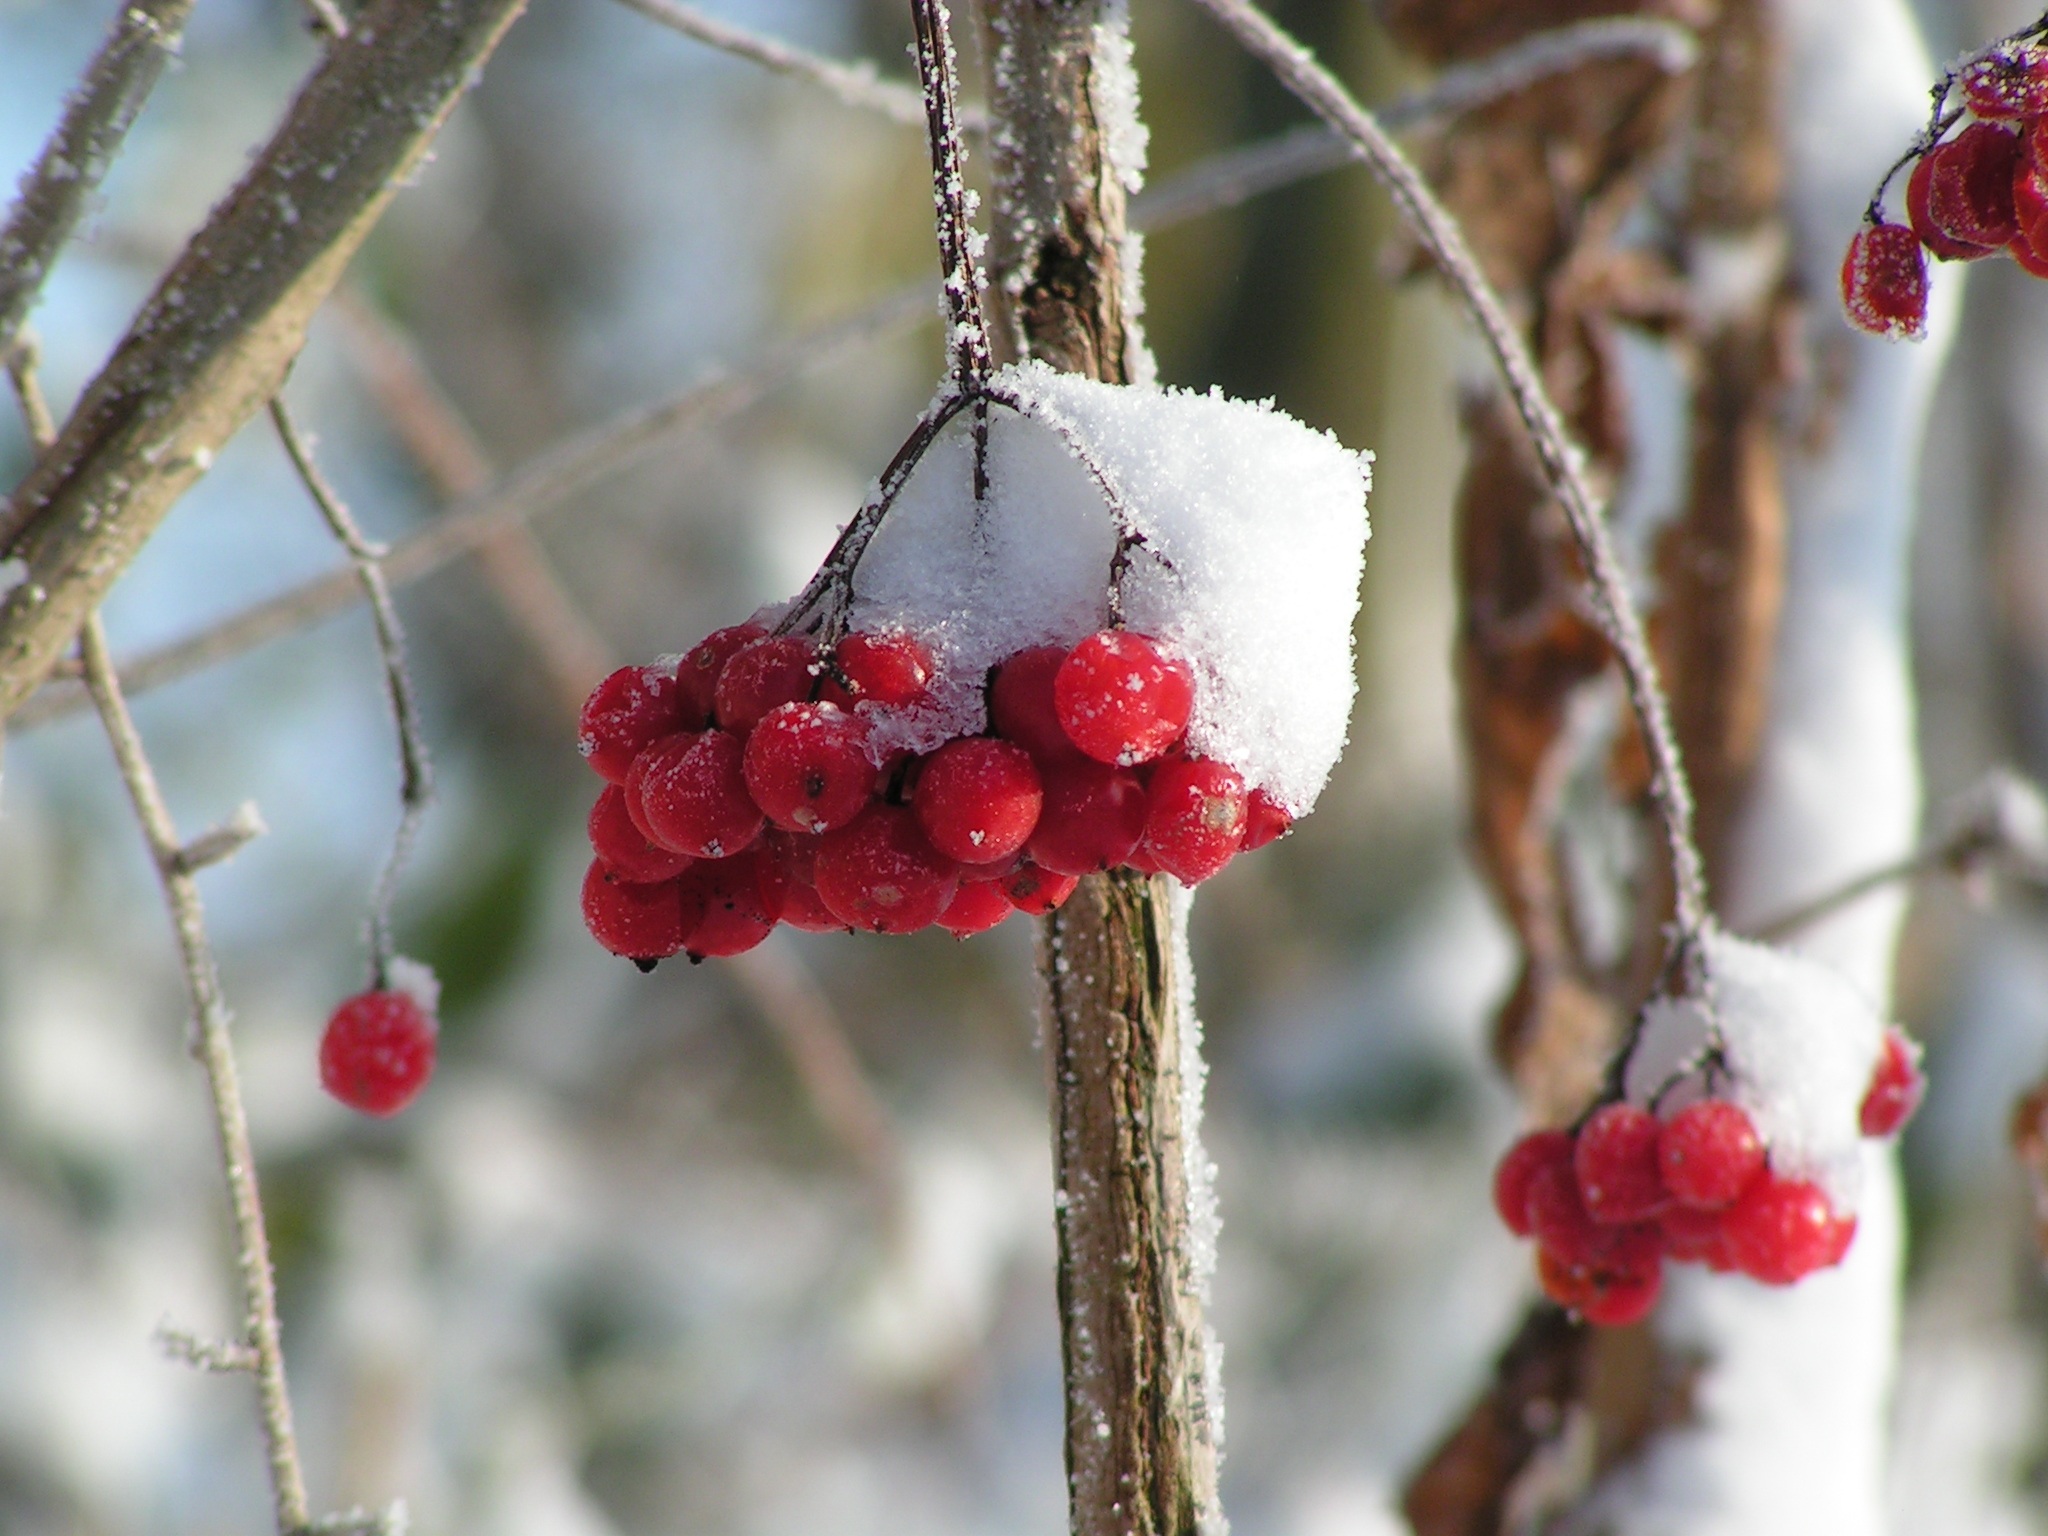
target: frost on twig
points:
(204, 1354)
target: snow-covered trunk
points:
(1135, 1218)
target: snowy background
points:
(614, 1273)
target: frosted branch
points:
(967, 344)
(211, 1355)
(216, 845)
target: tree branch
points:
(213, 342)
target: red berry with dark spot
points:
(1895, 1088)
(1121, 698)
(1036, 891)
(1708, 1153)
(641, 922)
(624, 713)
(736, 913)
(1021, 707)
(2010, 82)
(776, 669)
(1092, 818)
(1607, 1299)
(698, 672)
(693, 795)
(1782, 1230)
(1519, 1166)
(1942, 245)
(1264, 820)
(880, 873)
(978, 799)
(807, 767)
(1196, 818)
(1970, 185)
(624, 848)
(891, 668)
(1884, 282)
(377, 1051)
(1616, 1163)
(975, 908)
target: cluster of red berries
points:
(1609, 1202)
(1983, 190)
(377, 1051)
(744, 789)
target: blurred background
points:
(632, 1264)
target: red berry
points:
(975, 908)
(789, 865)
(2031, 260)
(1884, 282)
(697, 673)
(978, 799)
(1560, 1222)
(1264, 821)
(377, 1051)
(1970, 186)
(890, 668)
(880, 873)
(1196, 819)
(1708, 1153)
(1694, 1236)
(693, 795)
(1616, 1164)
(1782, 1230)
(626, 849)
(1036, 891)
(641, 922)
(1942, 245)
(1092, 818)
(1599, 1296)
(775, 669)
(2030, 203)
(1121, 699)
(736, 913)
(1895, 1087)
(807, 766)
(1519, 1166)
(1021, 707)
(2009, 82)
(629, 709)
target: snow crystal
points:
(417, 980)
(1254, 529)
(1125, 139)
(1802, 1043)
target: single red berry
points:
(891, 668)
(1121, 698)
(377, 1051)
(625, 712)
(2010, 82)
(880, 873)
(1940, 243)
(624, 848)
(698, 672)
(1708, 1153)
(736, 899)
(2031, 260)
(1884, 282)
(978, 799)
(1036, 891)
(1264, 821)
(1092, 818)
(1608, 1300)
(1196, 819)
(641, 922)
(807, 766)
(1518, 1167)
(775, 669)
(1021, 707)
(1782, 1230)
(693, 795)
(975, 908)
(1694, 1236)
(1895, 1087)
(1616, 1164)
(1970, 186)
(2030, 203)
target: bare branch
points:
(23, 357)
(1562, 462)
(857, 85)
(218, 844)
(79, 153)
(215, 1050)
(213, 342)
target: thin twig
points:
(967, 345)
(58, 188)
(856, 85)
(215, 1049)
(327, 19)
(416, 774)
(23, 358)
(214, 1355)
(1563, 465)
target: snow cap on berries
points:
(1802, 1044)
(1254, 528)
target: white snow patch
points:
(417, 980)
